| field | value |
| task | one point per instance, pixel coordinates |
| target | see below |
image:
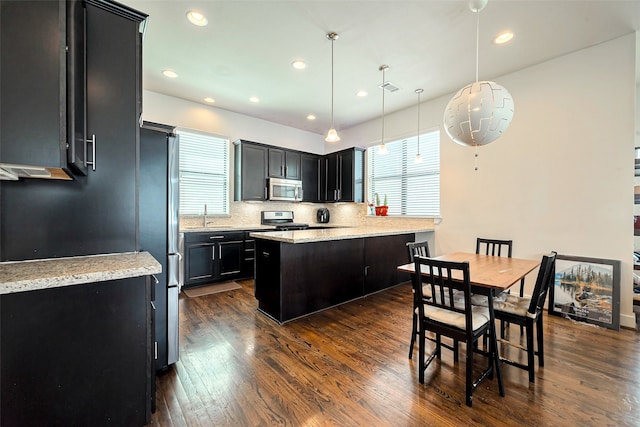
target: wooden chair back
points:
(494, 247)
(418, 248)
(546, 277)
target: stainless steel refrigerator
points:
(158, 231)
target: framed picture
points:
(587, 290)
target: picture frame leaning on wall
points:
(586, 290)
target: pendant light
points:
(382, 149)
(480, 112)
(418, 158)
(332, 135)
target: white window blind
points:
(412, 189)
(204, 173)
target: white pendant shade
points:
(382, 149)
(332, 136)
(478, 114)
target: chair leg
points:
(469, 374)
(530, 351)
(455, 351)
(414, 331)
(421, 363)
(495, 358)
(540, 340)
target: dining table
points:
(489, 275)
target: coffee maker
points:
(322, 215)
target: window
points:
(204, 173)
(412, 189)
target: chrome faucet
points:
(205, 223)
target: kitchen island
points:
(76, 340)
(302, 272)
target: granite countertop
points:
(307, 236)
(20, 276)
(214, 228)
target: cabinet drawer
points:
(219, 236)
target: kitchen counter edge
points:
(30, 275)
(308, 236)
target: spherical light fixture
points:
(479, 112)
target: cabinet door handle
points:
(213, 253)
(219, 251)
(216, 237)
(265, 254)
(92, 163)
(265, 193)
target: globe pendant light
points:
(418, 158)
(479, 112)
(382, 149)
(332, 135)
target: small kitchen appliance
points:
(322, 215)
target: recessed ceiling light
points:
(197, 18)
(503, 37)
(362, 93)
(299, 64)
(311, 117)
(209, 100)
(170, 73)
(254, 99)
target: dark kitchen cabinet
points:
(250, 171)
(213, 256)
(248, 256)
(78, 355)
(33, 106)
(95, 213)
(231, 255)
(310, 173)
(284, 164)
(381, 257)
(342, 176)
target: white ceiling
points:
(248, 46)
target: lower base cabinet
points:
(77, 355)
(293, 280)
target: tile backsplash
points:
(341, 214)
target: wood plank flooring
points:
(348, 366)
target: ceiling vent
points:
(389, 87)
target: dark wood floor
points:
(348, 366)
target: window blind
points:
(204, 173)
(412, 189)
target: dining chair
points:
(497, 247)
(422, 249)
(450, 314)
(527, 312)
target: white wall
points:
(560, 178)
(187, 114)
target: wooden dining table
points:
(489, 275)
(487, 272)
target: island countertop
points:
(20, 276)
(307, 236)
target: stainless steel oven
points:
(289, 190)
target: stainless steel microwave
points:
(289, 190)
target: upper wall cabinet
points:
(284, 164)
(96, 213)
(336, 177)
(310, 173)
(342, 176)
(43, 84)
(250, 179)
